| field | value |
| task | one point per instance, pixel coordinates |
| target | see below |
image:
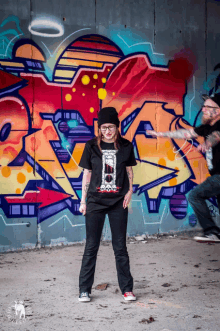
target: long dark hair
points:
(116, 142)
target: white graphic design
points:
(16, 312)
(108, 171)
(209, 158)
(19, 309)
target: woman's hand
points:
(82, 208)
(127, 199)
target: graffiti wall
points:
(56, 74)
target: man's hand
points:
(212, 140)
(127, 199)
(204, 147)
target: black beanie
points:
(215, 97)
(108, 115)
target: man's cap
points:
(108, 115)
(214, 97)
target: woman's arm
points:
(85, 186)
(128, 196)
(130, 177)
(178, 134)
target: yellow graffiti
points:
(17, 180)
(102, 93)
(68, 97)
(85, 80)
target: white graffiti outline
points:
(7, 224)
(194, 91)
(71, 156)
(147, 223)
(73, 225)
(163, 213)
(144, 43)
(46, 23)
(10, 43)
(176, 152)
(51, 55)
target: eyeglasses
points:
(209, 107)
(110, 127)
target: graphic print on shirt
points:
(108, 172)
(209, 158)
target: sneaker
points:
(84, 297)
(208, 238)
(129, 296)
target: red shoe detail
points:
(129, 296)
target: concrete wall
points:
(60, 62)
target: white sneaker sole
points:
(206, 240)
(84, 299)
(130, 299)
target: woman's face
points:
(108, 131)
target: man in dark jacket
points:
(210, 130)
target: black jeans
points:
(208, 189)
(118, 218)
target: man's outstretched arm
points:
(178, 134)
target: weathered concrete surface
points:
(176, 281)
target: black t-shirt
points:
(213, 154)
(109, 180)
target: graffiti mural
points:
(46, 119)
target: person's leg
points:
(94, 226)
(118, 218)
(218, 213)
(218, 202)
(209, 188)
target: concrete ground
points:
(176, 281)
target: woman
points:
(106, 189)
